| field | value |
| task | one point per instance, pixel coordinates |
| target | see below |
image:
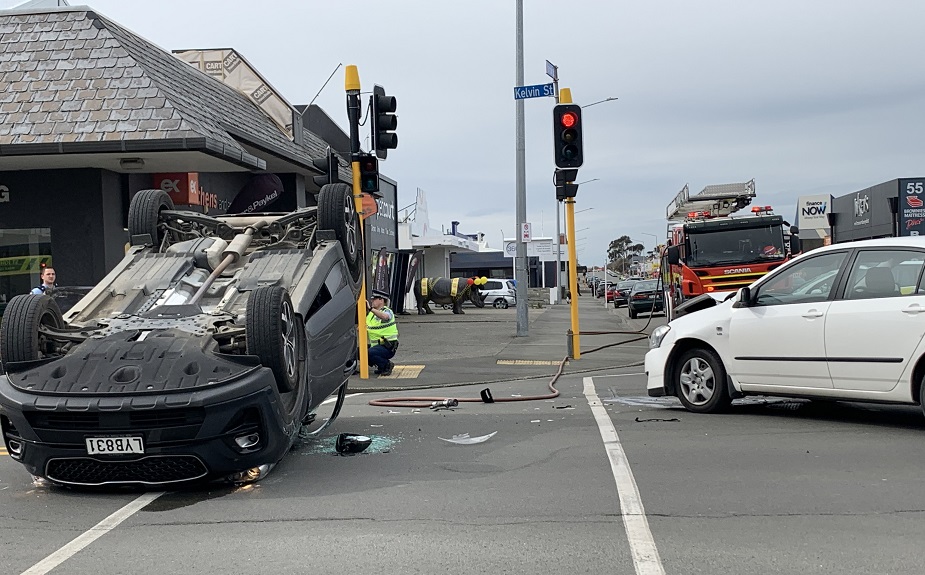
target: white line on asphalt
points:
(621, 374)
(646, 559)
(91, 535)
(348, 396)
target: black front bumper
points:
(188, 436)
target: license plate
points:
(653, 296)
(114, 445)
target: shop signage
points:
(184, 189)
(4, 194)
(23, 265)
(912, 207)
(813, 212)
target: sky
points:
(804, 97)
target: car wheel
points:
(633, 313)
(500, 303)
(275, 335)
(700, 381)
(144, 214)
(337, 212)
(20, 339)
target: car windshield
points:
(625, 285)
(647, 285)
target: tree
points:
(620, 250)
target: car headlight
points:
(658, 334)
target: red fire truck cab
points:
(713, 251)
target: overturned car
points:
(198, 357)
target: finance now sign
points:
(813, 212)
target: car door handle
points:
(914, 309)
(812, 314)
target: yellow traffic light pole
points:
(565, 97)
(352, 86)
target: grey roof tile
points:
(72, 75)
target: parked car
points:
(645, 296)
(842, 322)
(499, 293)
(198, 357)
(621, 292)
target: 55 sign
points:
(912, 207)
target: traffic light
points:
(384, 122)
(369, 174)
(563, 180)
(329, 166)
(567, 135)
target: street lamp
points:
(599, 102)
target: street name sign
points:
(535, 91)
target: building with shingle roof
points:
(90, 113)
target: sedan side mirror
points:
(744, 298)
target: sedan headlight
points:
(658, 334)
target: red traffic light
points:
(567, 136)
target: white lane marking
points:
(621, 374)
(91, 535)
(348, 396)
(646, 559)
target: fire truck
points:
(712, 248)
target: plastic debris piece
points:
(464, 439)
(373, 425)
(445, 404)
(569, 406)
(656, 419)
(350, 443)
(393, 411)
(534, 421)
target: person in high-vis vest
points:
(383, 334)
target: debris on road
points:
(351, 443)
(656, 419)
(464, 439)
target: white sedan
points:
(841, 322)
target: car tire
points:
(633, 313)
(275, 335)
(337, 212)
(144, 214)
(500, 303)
(19, 333)
(699, 379)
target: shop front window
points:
(23, 252)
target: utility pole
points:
(520, 262)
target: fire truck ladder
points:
(719, 201)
